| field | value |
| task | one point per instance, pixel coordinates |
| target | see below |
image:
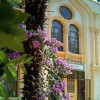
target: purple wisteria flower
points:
(48, 91)
(16, 67)
(54, 49)
(58, 87)
(59, 61)
(48, 42)
(14, 55)
(49, 63)
(65, 97)
(35, 44)
(42, 97)
(42, 33)
(54, 44)
(22, 26)
(29, 34)
(63, 65)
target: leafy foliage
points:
(10, 35)
(3, 92)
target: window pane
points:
(70, 83)
(56, 32)
(73, 39)
(65, 12)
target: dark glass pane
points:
(71, 83)
(56, 32)
(73, 28)
(73, 39)
(56, 24)
(65, 12)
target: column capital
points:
(66, 30)
(92, 29)
(97, 31)
(80, 33)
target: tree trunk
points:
(32, 80)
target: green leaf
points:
(12, 70)
(23, 69)
(3, 56)
(11, 36)
(5, 12)
(8, 76)
(9, 15)
(3, 92)
(10, 42)
(28, 60)
(19, 59)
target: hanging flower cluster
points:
(63, 66)
(59, 65)
(53, 64)
(54, 44)
(58, 86)
(14, 55)
(42, 96)
(36, 38)
(65, 97)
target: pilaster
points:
(81, 43)
(97, 57)
(65, 39)
(92, 30)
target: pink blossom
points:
(49, 63)
(35, 44)
(65, 97)
(59, 61)
(58, 87)
(48, 90)
(35, 34)
(48, 42)
(42, 97)
(16, 67)
(56, 43)
(63, 65)
(14, 55)
(59, 44)
(29, 34)
(42, 33)
(54, 49)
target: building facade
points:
(76, 23)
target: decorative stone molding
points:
(66, 30)
(59, 19)
(70, 7)
(81, 34)
(92, 29)
(95, 30)
(95, 67)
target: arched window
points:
(73, 39)
(65, 12)
(57, 32)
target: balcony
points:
(71, 57)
